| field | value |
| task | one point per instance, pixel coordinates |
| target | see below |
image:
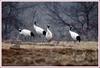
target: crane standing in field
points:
(49, 35)
(26, 32)
(75, 36)
(39, 30)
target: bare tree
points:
(10, 17)
(87, 9)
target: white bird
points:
(26, 32)
(48, 34)
(39, 30)
(74, 35)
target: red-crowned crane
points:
(74, 35)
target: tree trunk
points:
(87, 20)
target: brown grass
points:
(65, 53)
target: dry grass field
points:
(64, 53)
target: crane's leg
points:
(18, 41)
(78, 43)
(74, 41)
(57, 42)
(41, 41)
(26, 39)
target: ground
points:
(64, 53)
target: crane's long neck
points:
(35, 23)
(70, 28)
(47, 29)
(35, 26)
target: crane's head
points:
(70, 27)
(48, 26)
(19, 30)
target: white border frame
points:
(49, 1)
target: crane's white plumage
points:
(74, 35)
(49, 34)
(39, 30)
(26, 32)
